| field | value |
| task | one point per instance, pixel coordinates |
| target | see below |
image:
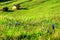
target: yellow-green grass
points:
(35, 20)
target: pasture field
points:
(32, 22)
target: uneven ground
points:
(32, 21)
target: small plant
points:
(10, 23)
(48, 31)
(53, 27)
(17, 23)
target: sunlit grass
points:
(34, 22)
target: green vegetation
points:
(32, 22)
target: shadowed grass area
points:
(4, 0)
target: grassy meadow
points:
(32, 22)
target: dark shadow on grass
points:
(9, 38)
(10, 11)
(21, 37)
(7, 3)
(23, 9)
(4, 0)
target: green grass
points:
(35, 20)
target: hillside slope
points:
(32, 21)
